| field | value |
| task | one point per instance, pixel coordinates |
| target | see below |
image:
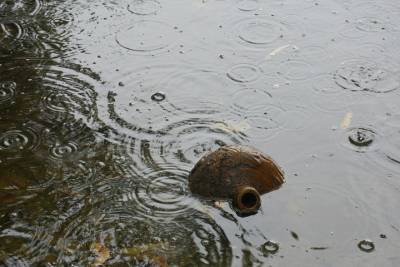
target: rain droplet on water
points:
(158, 97)
(361, 137)
(366, 245)
(270, 247)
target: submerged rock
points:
(236, 172)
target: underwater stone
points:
(236, 172)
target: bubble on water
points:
(144, 7)
(147, 36)
(361, 137)
(270, 247)
(158, 97)
(366, 245)
(360, 75)
(244, 73)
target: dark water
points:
(105, 106)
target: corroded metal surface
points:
(221, 173)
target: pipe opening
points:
(249, 200)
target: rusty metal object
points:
(236, 172)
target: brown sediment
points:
(232, 170)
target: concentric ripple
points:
(264, 117)
(370, 24)
(347, 189)
(244, 73)
(19, 139)
(359, 75)
(147, 36)
(293, 63)
(20, 7)
(162, 195)
(183, 144)
(69, 92)
(211, 243)
(361, 139)
(55, 101)
(248, 99)
(144, 7)
(248, 5)
(264, 122)
(59, 90)
(391, 149)
(10, 31)
(296, 69)
(188, 140)
(374, 17)
(366, 245)
(324, 85)
(186, 91)
(166, 95)
(329, 97)
(258, 32)
(7, 92)
(62, 151)
(35, 239)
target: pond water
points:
(105, 106)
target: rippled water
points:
(105, 106)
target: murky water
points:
(105, 106)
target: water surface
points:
(105, 106)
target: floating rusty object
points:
(236, 172)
